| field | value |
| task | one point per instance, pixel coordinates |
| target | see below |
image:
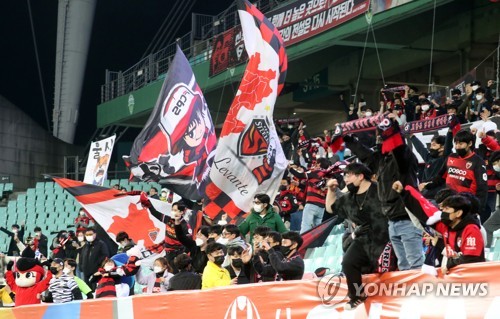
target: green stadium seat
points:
(1, 187)
(49, 185)
(8, 187)
(309, 253)
(40, 185)
(319, 252)
(308, 263)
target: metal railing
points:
(196, 45)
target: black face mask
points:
(461, 152)
(434, 153)
(285, 250)
(54, 270)
(219, 260)
(237, 263)
(445, 219)
(283, 188)
(353, 189)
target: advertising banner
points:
(306, 18)
(469, 291)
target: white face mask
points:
(81, 238)
(222, 241)
(425, 107)
(15, 231)
(479, 97)
(475, 87)
(157, 269)
(258, 208)
(89, 238)
(108, 267)
(164, 195)
(82, 214)
(199, 242)
(38, 234)
(496, 168)
(66, 271)
(368, 114)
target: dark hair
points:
(474, 202)
(182, 261)
(154, 188)
(495, 156)
(180, 205)
(294, 237)
(234, 249)
(204, 230)
(263, 198)
(464, 136)
(262, 230)
(16, 226)
(165, 263)
(443, 194)
(121, 236)
(123, 189)
(215, 229)
(324, 163)
(71, 262)
(233, 229)
(275, 236)
(358, 168)
(439, 139)
(92, 229)
(214, 247)
(458, 202)
(37, 228)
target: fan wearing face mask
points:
(158, 280)
(261, 214)
(92, 254)
(107, 277)
(464, 171)
(477, 98)
(434, 158)
(428, 110)
(456, 222)
(362, 207)
(214, 275)
(194, 246)
(62, 287)
(16, 232)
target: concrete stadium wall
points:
(27, 150)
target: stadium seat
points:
(8, 187)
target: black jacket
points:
(432, 164)
(91, 256)
(287, 268)
(43, 243)
(244, 275)
(198, 257)
(398, 165)
(185, 280)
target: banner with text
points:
(469, 291)
(98, 161)
(228, 51)
(306, 18)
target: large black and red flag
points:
(176, 146)
(249, 158)
(317, 236)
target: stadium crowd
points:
(397, 214)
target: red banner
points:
(306, 18)
(469, 291)
(228, 51)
